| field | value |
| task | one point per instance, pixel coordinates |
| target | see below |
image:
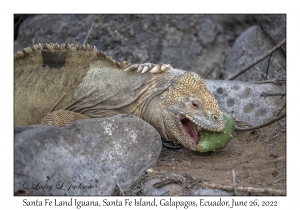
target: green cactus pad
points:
(211, 141)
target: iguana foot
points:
(153, 68)
(171, 144)
(62, 117)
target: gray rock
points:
(209, 192)
(274, 25)
(168, 190)
(21, 128)
(92, 156)
(245, 101)
(251, 44)
(190, 42)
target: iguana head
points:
(188, 107)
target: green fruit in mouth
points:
(211, 141)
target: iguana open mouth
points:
(190, 128)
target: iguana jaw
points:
(190, 128)
(182, 127)
(178, 127)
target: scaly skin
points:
(59, 84)
(190, 99)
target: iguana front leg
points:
(153, 68)
(62, 118)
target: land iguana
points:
(59, 84)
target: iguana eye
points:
(195, 104)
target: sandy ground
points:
(258, 158)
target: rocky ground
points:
(215, 46)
